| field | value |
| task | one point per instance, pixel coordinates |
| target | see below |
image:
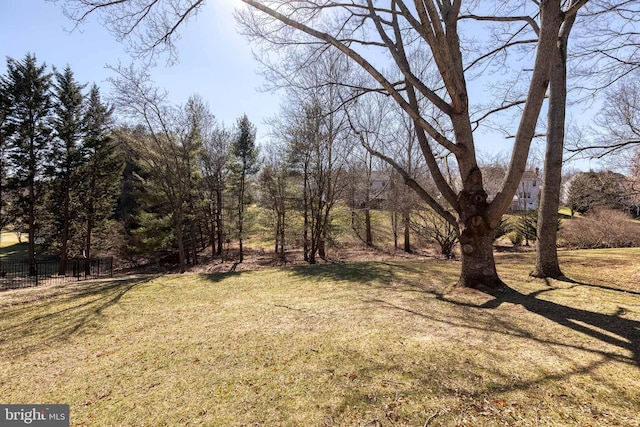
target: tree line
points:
(60, 168)
(70, 171)
(139, 176)
(430, 60)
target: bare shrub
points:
(605, 228)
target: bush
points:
(502, 229)
(516, 238)
(527, 226)
(605, 228)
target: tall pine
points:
(66, 156)
(102, 169)
(4, 113)
(28, 123)
(246, 165)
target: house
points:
(528, 194)
(378, 186)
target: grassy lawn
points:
(11, 247)
(362, 344)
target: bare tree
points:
(605, 52)
(607, 47)
(168, 147)
(618, 122)
(274, 182)
(315, 146)
(547, 264)
(214, 160)
(400, 32)
(359, 29)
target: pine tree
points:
(66, 156)
(246, 154)
(27, 90)
(102, 169)
(4, 113)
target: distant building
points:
(379, 185)
(528, 194)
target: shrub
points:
(605, 228)
(503, 228)
(434, 229)
(516, 238)
(527, 226)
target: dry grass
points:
(369, 343)
(10, 246)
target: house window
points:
(534, 183)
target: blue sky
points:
(214, 61)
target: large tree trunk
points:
(478, 266)
(476, 237)
(547, 264)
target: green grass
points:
(11, 247)
(565, 212)
(374, 343)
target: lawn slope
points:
(376, 343)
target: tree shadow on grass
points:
(17, 250)
(612, 328)
(358, 272)
(27, 327)
(577, 283)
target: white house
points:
(528, 194)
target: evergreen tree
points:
(246, 154)
(527, 226)
(4, 113)
(27, 90)
(66, 157)
(196, 118)
(102, 169)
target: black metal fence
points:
(19, 273)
